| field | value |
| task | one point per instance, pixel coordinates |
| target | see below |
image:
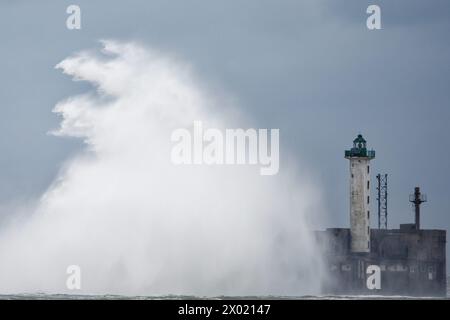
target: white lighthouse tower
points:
(360, 158)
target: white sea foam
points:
(135, 223)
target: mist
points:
(137, 224)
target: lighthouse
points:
(359, 158)
(408, 261)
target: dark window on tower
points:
(368, 230)
(368, 199)
(368, 170)
(368, 184)
(368, 214)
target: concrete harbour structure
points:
(407, 261)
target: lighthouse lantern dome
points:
(359, 149)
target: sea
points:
(46, 296)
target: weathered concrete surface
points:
(412, 262)
(360, 204)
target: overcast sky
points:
(310, 68)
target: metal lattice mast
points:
(382, 201)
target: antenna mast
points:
(417, 198)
